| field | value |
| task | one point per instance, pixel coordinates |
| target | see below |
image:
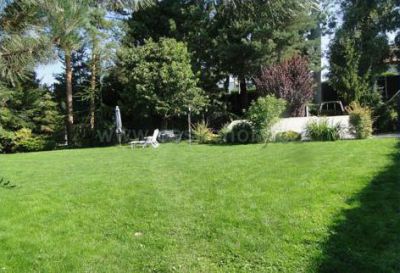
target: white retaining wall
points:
(299, 125)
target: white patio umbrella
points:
(118, 124)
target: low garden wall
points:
(299, 125)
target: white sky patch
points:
(46, 73)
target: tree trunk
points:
(165, 123)
(93, 92)
(70, 110)
(244, 96)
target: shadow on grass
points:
(5, 184)
(367, 238)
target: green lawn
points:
(309, 207)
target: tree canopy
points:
(358, 52)
(158, 79)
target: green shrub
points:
(238, 132)
(50, 144)
(264, 113)
(26, 142)
(322, 131)
(7, 141)
(360, 120)
(204, 134)
(386, 117)
(33, 144)
(288, 136)
(223, 133)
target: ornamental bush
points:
(238, 132)
(26, 142)
(264, 113)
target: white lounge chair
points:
(152, 140)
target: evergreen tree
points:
(101, 50)
(360, 47)
(27, 106)
(81, 82)
(20, 50)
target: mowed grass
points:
(306, 207)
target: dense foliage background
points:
(158, 58)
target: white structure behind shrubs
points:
(299, 125)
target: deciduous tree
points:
(290, 80)
(158, 78)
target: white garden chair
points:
(151, 140)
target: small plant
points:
(289, 136)
(360, 120)
(238, 132)
(264, 113)
(204, 134)
(322, 131)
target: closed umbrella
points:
(118, 124)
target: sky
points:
(45, 73)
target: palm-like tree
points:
(59, 24)
(63, 22)
(51, 24)
(66, 21)
(98, 42)
(19, 50)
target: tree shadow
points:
(367, 238)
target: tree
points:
(345, 75)
(231, 37)
(80, 63)
(255, 33)
(60, 23)
(26, 106)
(101, 49)
(158, 78)
(65, 19)
(290, 80)
(19, 49)
(360, 47)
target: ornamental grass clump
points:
(203, 134)
(360, 120)
(323, 131)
